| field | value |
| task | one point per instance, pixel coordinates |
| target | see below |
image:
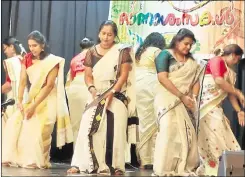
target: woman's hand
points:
(240, 96)
(188, 101)
(20, 107)
(109, 98)
(195, 106)
(29, 112)
(240, 116)
(93, 92)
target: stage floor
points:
(59, 169)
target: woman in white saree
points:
(100, 146)
(14, 52)
(146, 80)
(76, 89)
(215, 134)
(176, 104)
(27, 134)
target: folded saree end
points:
(133, 130)
(64, 137)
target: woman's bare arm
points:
(22, 84)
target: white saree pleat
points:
(77, 95)
(146, 81)
(26, 141)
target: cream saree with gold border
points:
(176, 151)
(146, 82)
(27, 143)
(13, 67)
(90, 150)
(215, 134)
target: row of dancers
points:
(157, 97)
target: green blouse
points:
(163, 61)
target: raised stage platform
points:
(59, 169)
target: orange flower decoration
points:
(212, 163)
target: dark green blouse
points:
(163, 61)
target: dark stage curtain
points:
(64, 23)
(241, 85)
(5, 10)
(228, 109)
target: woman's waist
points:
(183, 87)
(80, 73)
(151, 69)
(145, 74)
(212, 99)
(211, 90)
(104, 86)
(79, 78)
(102, 90)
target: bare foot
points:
(105, 172)
(34, 166)
(6, 164)
(119, 172)
(73, 170)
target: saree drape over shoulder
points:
(215, 134)
(176, 151)
(13, 67)
(103, 134)
(28, 142)
(146, 81)
(77, 94)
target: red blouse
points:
(216, 66)
(8, 78)
(27, 61)
(77, 64)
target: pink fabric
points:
(27, 61)
(77, 64)
(216, 66)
